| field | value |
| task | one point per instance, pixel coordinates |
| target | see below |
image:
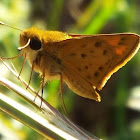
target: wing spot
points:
(101, 68)
(73, 54)
(107, 62)
(83, 55)
(88, 77)
(79, 69)
(91, 51)
(86, 67)
(96, 74)
(98, 44)
(83, 45)
(123, 38)
(122, 41)
(104, 52)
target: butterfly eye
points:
(35, 44)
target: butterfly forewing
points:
(95, 58)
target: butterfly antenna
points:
(2, 23)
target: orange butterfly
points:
(84, 62)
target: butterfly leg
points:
(61, 90)
(61, 81)
(43, 83)
(41, 87)
(31, 75)
(22, 66)
(37, 93)
(12, 57)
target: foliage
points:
(113, 118)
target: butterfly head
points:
(31, 43)
(30, 40)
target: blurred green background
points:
(117, 117)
